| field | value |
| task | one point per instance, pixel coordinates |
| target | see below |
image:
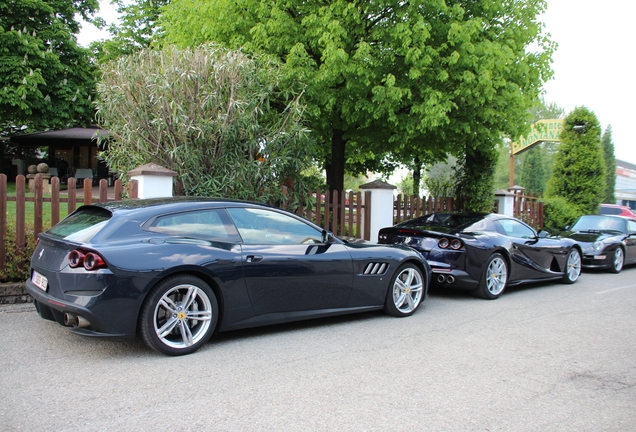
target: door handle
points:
(254, 258)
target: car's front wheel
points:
(405, 292)
(494, 278)
(618, 261)
(572, 267)
(179, 315)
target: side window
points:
(262, 226)
(213, 223)
(513, 228)
(631, 226)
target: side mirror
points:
(544, 234)
(567, 228)
(327, 237)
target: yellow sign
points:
(543, 130)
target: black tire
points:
(493, 279)
(572, 269)
(406, 291)
(179, 315)
(618, 260)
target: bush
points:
(17, 264)
(558, 214)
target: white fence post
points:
(153, 181)
(506, 202)
(381, 206)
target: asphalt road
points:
(546, 357)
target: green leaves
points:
(216, 117)
(46, 80)
(579, 169)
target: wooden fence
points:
(411, 207)
(529, 208)
(344, 214)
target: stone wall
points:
(11, 293)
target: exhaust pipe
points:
(81, 322)
(69, 319)
(450, 279)
(441, 278)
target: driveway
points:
(546, 357)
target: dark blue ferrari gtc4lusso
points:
(484, 253)
(175, 270)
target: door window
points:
(516, 229)
(262, 226)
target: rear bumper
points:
(101, 325)
(446, 277)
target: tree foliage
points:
(208, 114)
(533, 170)
(137, 29)
(610, 166)
(579, 169)
(46, 79)
(440, 178)
(476, 178)
(418, 78)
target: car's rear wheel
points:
(494, 278)
(572, 267)
(179, 315)
(405, 292)
(618, 261)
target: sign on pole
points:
(543, 130)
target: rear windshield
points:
(448, 220)
(82, 225)
(610, 210)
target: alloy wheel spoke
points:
(199, 315)
(189, 297)
(186, 334)
(167, 327)
(401, 299)
(167, 303)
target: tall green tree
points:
(415, 79)
(610, 166)
(46, 79)
(578, 176)
(210, 115)
(533, 171)
(137, 28)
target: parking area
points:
(544, 357)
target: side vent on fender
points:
(375, 268)
(554, 266)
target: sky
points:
(593, 65)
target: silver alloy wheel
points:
(619, 259)
(573, 265)
(182, 317)
(408, 290)
(496, 276)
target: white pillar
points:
(153, 181)
(506, 202)
(381, 206)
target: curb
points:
(12, 293)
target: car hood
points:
(585, 237)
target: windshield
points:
(455, 222)
(594, 223)
(82, 225)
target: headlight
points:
(598, 245)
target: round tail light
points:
(92, 261)
(75, 259)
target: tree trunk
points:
(417, 176)
(336, 168)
